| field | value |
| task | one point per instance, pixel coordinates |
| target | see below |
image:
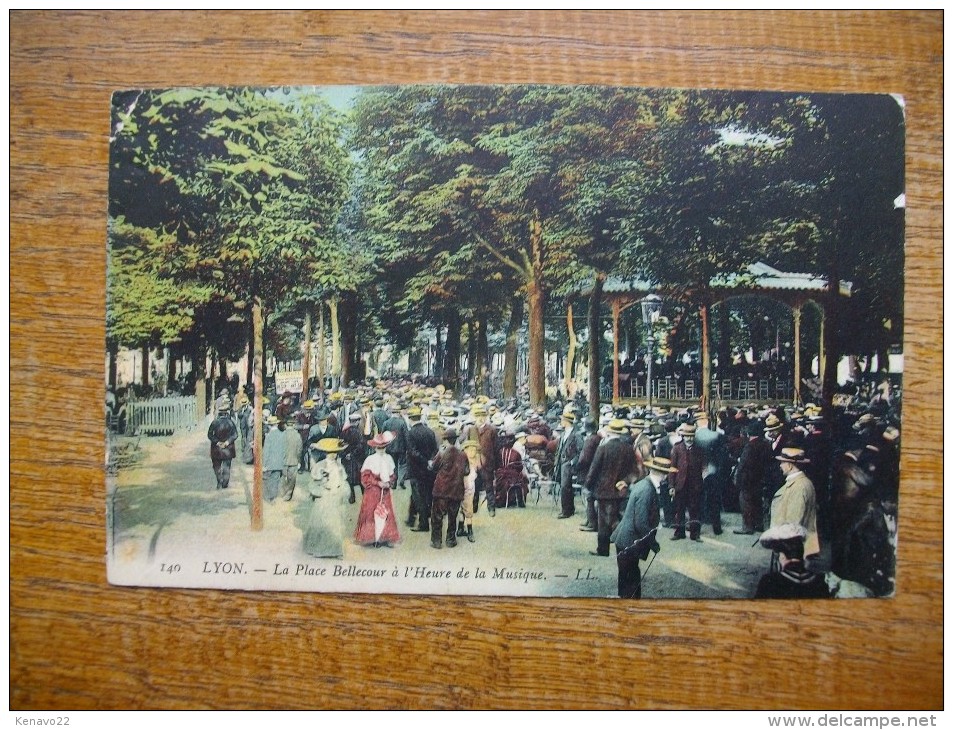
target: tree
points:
(239, 181)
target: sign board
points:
(288, 380)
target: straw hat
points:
(687, 429)
(773, 423)
(660, 463)
(616, 425)
(331, 445)
(793, 456)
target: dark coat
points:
(452, 466)
(380, 417)
(488, 447)
(587, 454)
(398, 426)
(614, 462)
(421, 448)
(569, 449)
(640, 518)
(690, 463)
(752, 465)
(222, 429)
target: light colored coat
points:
(796, 503)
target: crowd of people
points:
(819, 488)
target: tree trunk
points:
(724, 339)
(113, 350)
(853, 367)
(830, 343)
(451, 366)
(306, 356)
(250, 355)
(616, 315)
(482, 355)
(198, 366)
(170, 378)
(145, 367)
(222, 368)
(511, 364)
(471, 352)
(883, 359)
(438, 355)
(348, 336)
(570, 371)
(706, 364)
(322, 354)
(335, 344)
(258, 367)
(595, 335)
(536, 301)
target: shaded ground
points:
(172, 527)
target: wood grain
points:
(77, 642)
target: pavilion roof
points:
(758, 276)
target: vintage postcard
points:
(520, 340)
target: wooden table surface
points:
(78, 643)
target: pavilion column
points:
(796, 312)
(615, 351)
(706, 359)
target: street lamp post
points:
(651, 308)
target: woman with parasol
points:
(376, 524)
(324, 537)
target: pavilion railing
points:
(724, 389)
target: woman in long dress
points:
(324, 537)
(376, 523)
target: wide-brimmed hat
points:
(569, 416)
(272, 420)
(660, 463)
(616, 425)
(450, 435)
(864, 420)
(773, 423)
(687, 429)
(308, 404)
(414, 413)
(224, 405)
(782, 535)
(381, 439)
(793, 456)
(331, 445)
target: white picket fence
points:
(161, 416)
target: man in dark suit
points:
(421, 449)
(567, 452)
(612, 468)
(689, 460)
(398, 447)
(635, 535)
(488, 437)
(592, 440)
(222, 435)
(749, 476)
